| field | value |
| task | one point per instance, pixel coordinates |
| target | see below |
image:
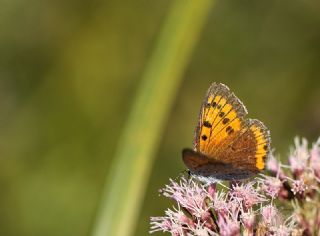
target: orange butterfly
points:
(227, 146)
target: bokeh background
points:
(69, 71)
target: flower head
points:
(298, 187)
(246, 194)
(189, 195)
(270, 185)
(248, 220)
(228, 226)
(298, 158)
(315, 158)
(175, 222)
(274, 166)
(249, 207)
(214, 212)
(270, 215)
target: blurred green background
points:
(69, 71)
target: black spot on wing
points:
(207, 124)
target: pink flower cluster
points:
(231, 211)
(285, 202)
(299, 184)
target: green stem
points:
(129, 172)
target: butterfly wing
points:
(224, 136)
(220, 109)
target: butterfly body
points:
(227, 146)
(210, 167)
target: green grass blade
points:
(129, 173)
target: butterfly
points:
(227, 146)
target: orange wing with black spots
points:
(227, 145)
(220, 110)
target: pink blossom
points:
(212, 188)
(247, 194)
(175, 222)
(189, 195)
(274, 166)
(225, 212)
(270, 185)
(281, 230)
(286, 228)
(298, 186)
(200, 230)
(220, 203)
(315, 158)
(249, 207)
(228, 226)
(299, 156)
(248, 220)
(270, 215)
